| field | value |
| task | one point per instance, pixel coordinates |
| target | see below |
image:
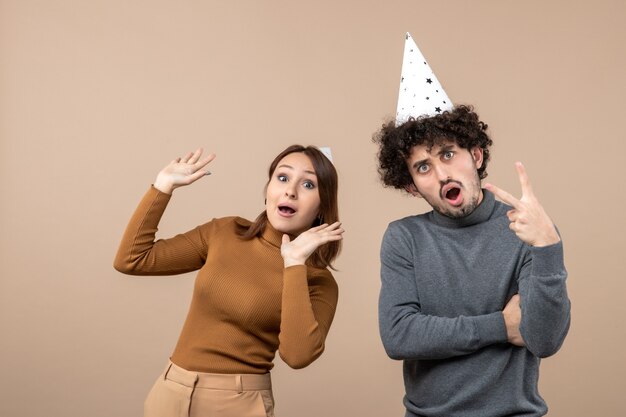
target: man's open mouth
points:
(451, 192)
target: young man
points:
(473, 292)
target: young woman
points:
(262, 286)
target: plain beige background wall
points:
(96, 96)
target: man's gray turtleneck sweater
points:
(444, 284)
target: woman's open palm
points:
(297, 251)
(183, 171)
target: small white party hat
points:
(420, 91)
(327, 152)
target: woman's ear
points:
(477, 154)
(412, 189)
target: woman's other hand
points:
(183, 171)
(297, 251)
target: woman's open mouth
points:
(286, 211)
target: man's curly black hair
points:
(460, 125)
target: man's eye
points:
(422, 168)
(309, 185)
(448, 155)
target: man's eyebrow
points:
(418, 163)
(444, 149)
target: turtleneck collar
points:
(273, 236)
(479, 215)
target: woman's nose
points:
(291, 192)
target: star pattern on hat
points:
(420, 91)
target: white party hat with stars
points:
(420, 91)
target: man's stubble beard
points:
(468, 208)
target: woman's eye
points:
(309, 185)
(282, 178)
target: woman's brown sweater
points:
(245, 303)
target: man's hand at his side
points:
(529, 220)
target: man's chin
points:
(457, 212)
(452, 214)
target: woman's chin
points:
(286, 226)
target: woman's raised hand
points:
(183, 171)
(297, 251)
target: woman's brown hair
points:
(327, 185)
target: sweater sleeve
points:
(308, 308)
(140, 254)
(544, 301)
(405, 331)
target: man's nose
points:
(442, 172)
